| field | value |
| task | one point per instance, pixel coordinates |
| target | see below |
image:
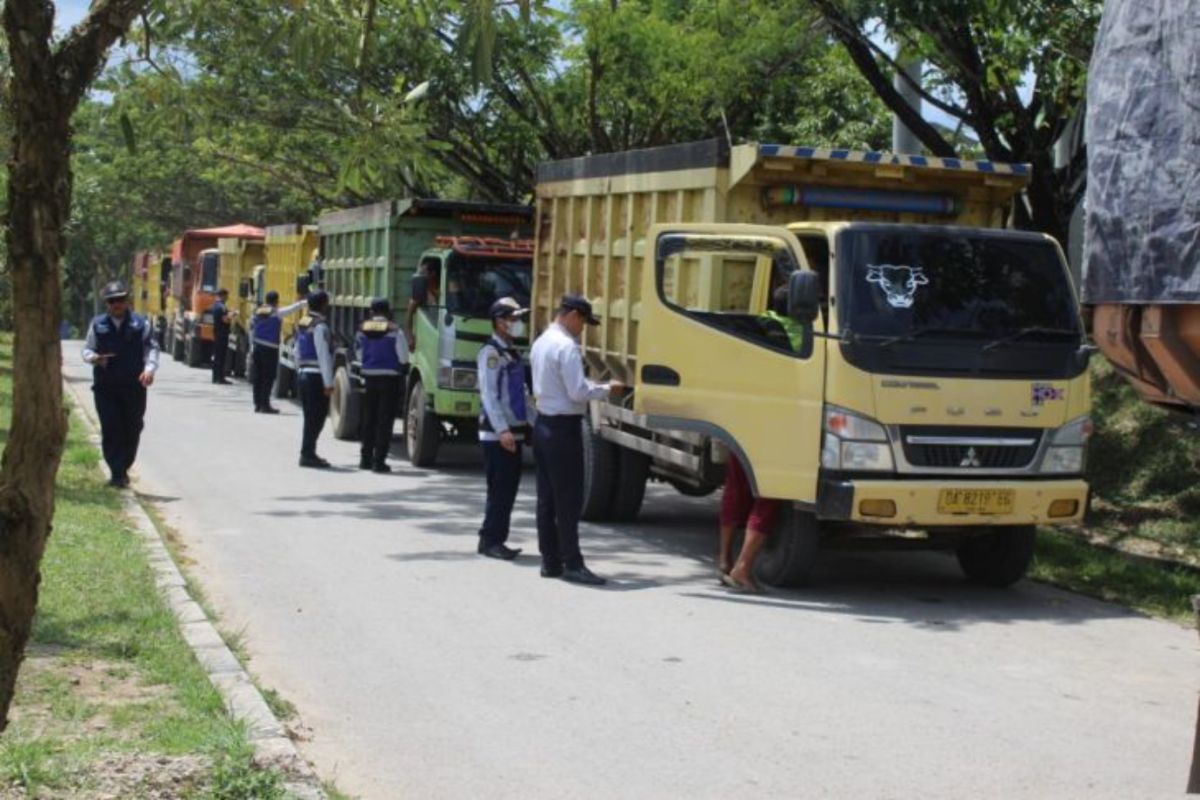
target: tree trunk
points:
(46, 86)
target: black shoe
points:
(223, 382)
(258, 409)
(381, 468)
(583, 576)
(270, 410)
(552, 572)
(118, 483)
(365, 462)
(500, 551)
(315, 462)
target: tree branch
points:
(80, 57)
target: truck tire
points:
(633, 471)
(176, 345)
(285, 383)
(1000, 557)
(422, 429)
(600, 458)
(240, 357)
(193, 350)
(791, 550)
(344, 406)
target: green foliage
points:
(235, 777)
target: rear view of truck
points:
(290, 251)
(939, 386)
(239, 260)
(1142, 245)
(374, 251)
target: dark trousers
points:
(220, 353)
(266, 364)
(315, 404)
(558, 444)
(121, 409)
(503, 471)
(378, 415)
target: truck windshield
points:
(473, 284)
(1005, 288)
(210, 268)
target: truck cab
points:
(449, 326)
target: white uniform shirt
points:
(321, 341)
(559, 385)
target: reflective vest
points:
(306, 343)
(377, 346)
(267, 326)
(128, 346)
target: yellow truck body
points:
(290, 250)
(941, 386)
(239, 259)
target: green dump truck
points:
(374, 251)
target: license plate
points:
(976, 501)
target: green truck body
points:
(374, 251)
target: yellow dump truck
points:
(149, 275)
(239, 260)
(291, 250)
(934, 391)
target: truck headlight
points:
(1068, 445)
(462, 379)
(854, 442)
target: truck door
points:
(711, 360)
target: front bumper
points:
(452, 403)
(916, 502)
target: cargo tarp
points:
(1142, 243)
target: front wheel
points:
(788, 556)
(1000, 557)
(344, 406)
(285, 382)
(193, 350)
(600, 464)
(422, 429)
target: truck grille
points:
(970, 448)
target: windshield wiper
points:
(1027, 331)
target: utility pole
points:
(904, 140)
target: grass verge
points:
(111, 702)
(1162, 590)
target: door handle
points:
(659, 375)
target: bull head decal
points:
(898, 283)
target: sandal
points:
(738, 587)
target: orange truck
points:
(195, 279)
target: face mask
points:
(516, 329)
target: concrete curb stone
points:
(245, 702)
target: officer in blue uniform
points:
(503, 423)
(314, 358)
(383, 356)
(121, 348)
(265, 333)
(222, 317)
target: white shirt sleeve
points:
(489, 396)
(324, 354)
(289, 310)
(89, 346)
(401, 346)
(578, 387)
(149, 350)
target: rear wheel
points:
(791, 549)
(599, 474)
(422, 429)
(285, 382)
(176, 345)
(344, 406)
(693, 490)
(633, 471)
(239, 357)
(1000, 557)
(193, 350)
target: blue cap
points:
(577, 302)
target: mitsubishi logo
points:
(971, 459)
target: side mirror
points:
(804, 296)
(244, 289)
(303, 282)
(1083, 356)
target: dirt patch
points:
(129, 775)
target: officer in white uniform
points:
(563, 391)
(503, 423)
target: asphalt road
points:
(426, 671)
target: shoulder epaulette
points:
(305, 322)
(376, 326)
(264, 311)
